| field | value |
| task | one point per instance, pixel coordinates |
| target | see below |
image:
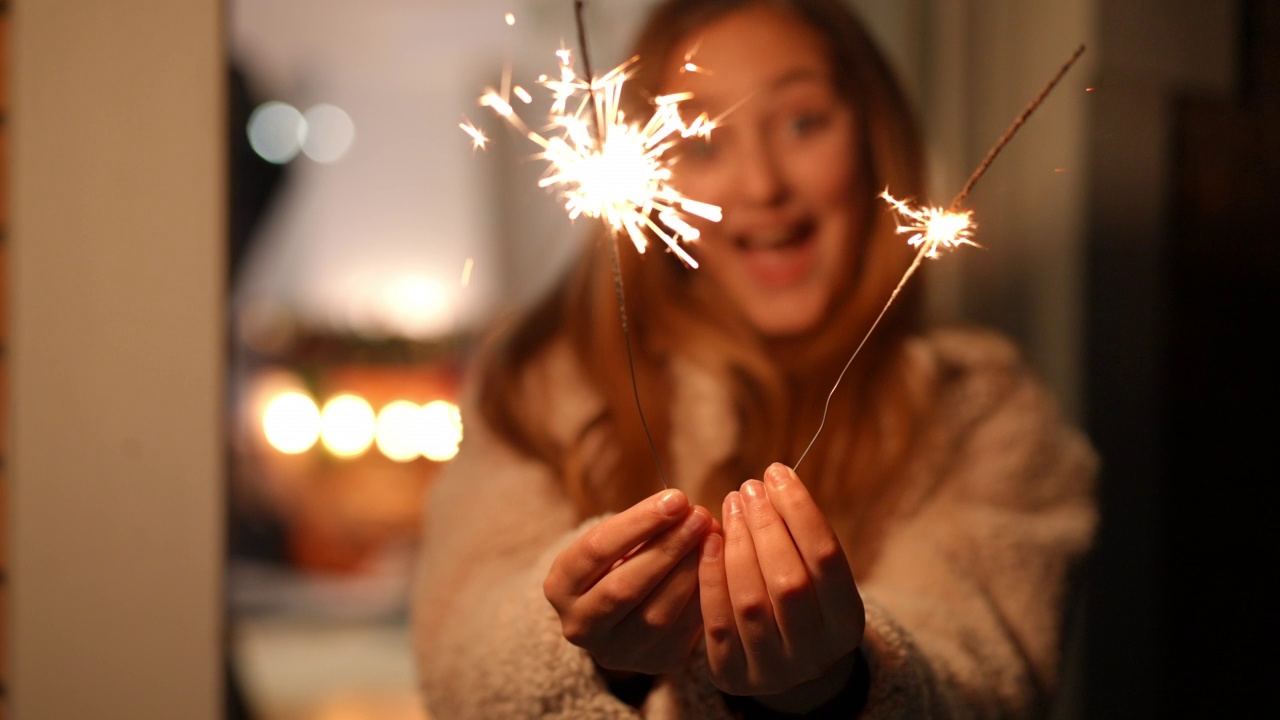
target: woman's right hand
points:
(626, 590)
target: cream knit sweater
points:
(964, 603)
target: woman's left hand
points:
(780, 608)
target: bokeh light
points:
(415, 306)
(330, 132)
(291, 423)
(443, 430)
(276, 131)
(401, 427)
(347, 425)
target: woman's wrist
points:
(814, 693)
(841, 689)
(630, 687)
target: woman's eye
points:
(697, 149)
(801, 125)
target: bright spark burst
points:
(690, 65)
(608, 168)
(932, 228)
(478, 138)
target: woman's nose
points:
(760, 178)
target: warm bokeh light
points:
(291, 422)
(443, 430)
(347, 425)
(401, 427)
(415, 306)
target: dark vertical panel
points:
(1180, 315)
(1224, 271)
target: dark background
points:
(1180, 391)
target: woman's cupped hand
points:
(781, 611)
(626, 590)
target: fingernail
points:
(778, 475)
(672, 503)
(711, 547)
(735, 503)
(698, 521)
(754, 491)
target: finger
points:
(688, 629)
(675, 644)
(720, 629)
(591, 556)
(659, 612)
(629, 584)
(817, 543)
(635, 646)
(752, 609)
(791, 591)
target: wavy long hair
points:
(778, 387)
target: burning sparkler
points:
(932, 228)
(609, 168)
(605, 166)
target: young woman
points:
(919, 562)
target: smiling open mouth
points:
(786, 238)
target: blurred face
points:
(780, 165)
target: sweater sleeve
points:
(487, 642)
(966, 601)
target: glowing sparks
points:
(694, 68)
(932, 228)
(690, 65)
(478, 138)
(466, 271)
(608, 168)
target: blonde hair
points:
(778, 387)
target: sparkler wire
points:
(927, 248)
(613, 243)
(578, 6)
(924, 249)
(626, 337)
(1013, 128)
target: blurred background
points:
(371, 242)
(345, 243)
